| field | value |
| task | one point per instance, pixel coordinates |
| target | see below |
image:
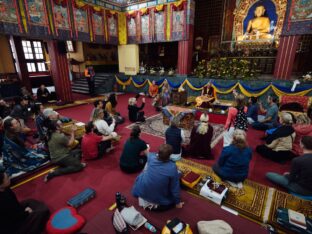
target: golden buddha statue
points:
(258, 27)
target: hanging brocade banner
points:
(178, 21)
(160, 24)
(98, 25)
(146, 26)
(37, 18)
(132, 27)
(112, 26)
(81, 21)
(10, 19)
(62, 19)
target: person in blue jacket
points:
(233, 164)
(158, 186)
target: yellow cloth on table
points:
(201, 99)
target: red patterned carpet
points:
(106, 178)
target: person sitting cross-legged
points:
(233, 164)
(302, 128)
(135, 113)
(133, 157)
(175, 137)
(279, 144)
(299, 178)
(91, 143)
(67, 159)
(201, 136)
(17, 155)
(158, 186)
(271, 115)
(29, 216)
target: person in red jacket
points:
(302, 128)
(91, 143)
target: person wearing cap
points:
(50, 114)
(201, 136)
(28, 216)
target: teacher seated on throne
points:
(207, 97)
(258, 27)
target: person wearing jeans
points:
(299, 179)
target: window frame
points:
(39, 63)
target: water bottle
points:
(118, 197)
(150, 227)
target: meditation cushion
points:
(190, 179)
(308, 198)
(214, 227)
(65, 221)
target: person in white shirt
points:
(101, 125)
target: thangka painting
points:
(10, 21)
(145, 28)
(131, 25)
(98, 25)
(178, 25)
(301, 10)
(81, 20)
(112, 27)
(8, 12)
(160, 26)
(36, 12)
(61, 16)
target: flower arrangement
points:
(307, 77)
(231, 68)
(201, 69)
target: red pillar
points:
(285, 57)
(185, 53)
(60, 72)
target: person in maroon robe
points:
(201, 136)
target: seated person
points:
(302, 128)
(40, 121)
(98, 105)
(271, 115)
(175, 137)
(279, 144)
(201, 136)
(133, 157)
(135, 114)
(158, 186)
(67, 159)
(233, 164)
(208, 96)
(29, 216)
(110, 108)
(20, 110)
(299, 179)
(17, 156)
(153, 89)
(252, 112)
(43, 94)
(157, 102)
(165, 94)
(91, 143)
(5, 109)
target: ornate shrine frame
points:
(242, 10)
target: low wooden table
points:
(186, 115)
(66, 128)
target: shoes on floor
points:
(48, 177)
(83, 164)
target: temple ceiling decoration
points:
(121, 3)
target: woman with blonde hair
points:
(279, 144)
(233, 164)
(135, 113)
(201, 136)
(302, 128)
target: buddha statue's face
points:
(259, 11)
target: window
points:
(34, 56)
(70, 47)
(14, 54)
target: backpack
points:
(240, 121)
